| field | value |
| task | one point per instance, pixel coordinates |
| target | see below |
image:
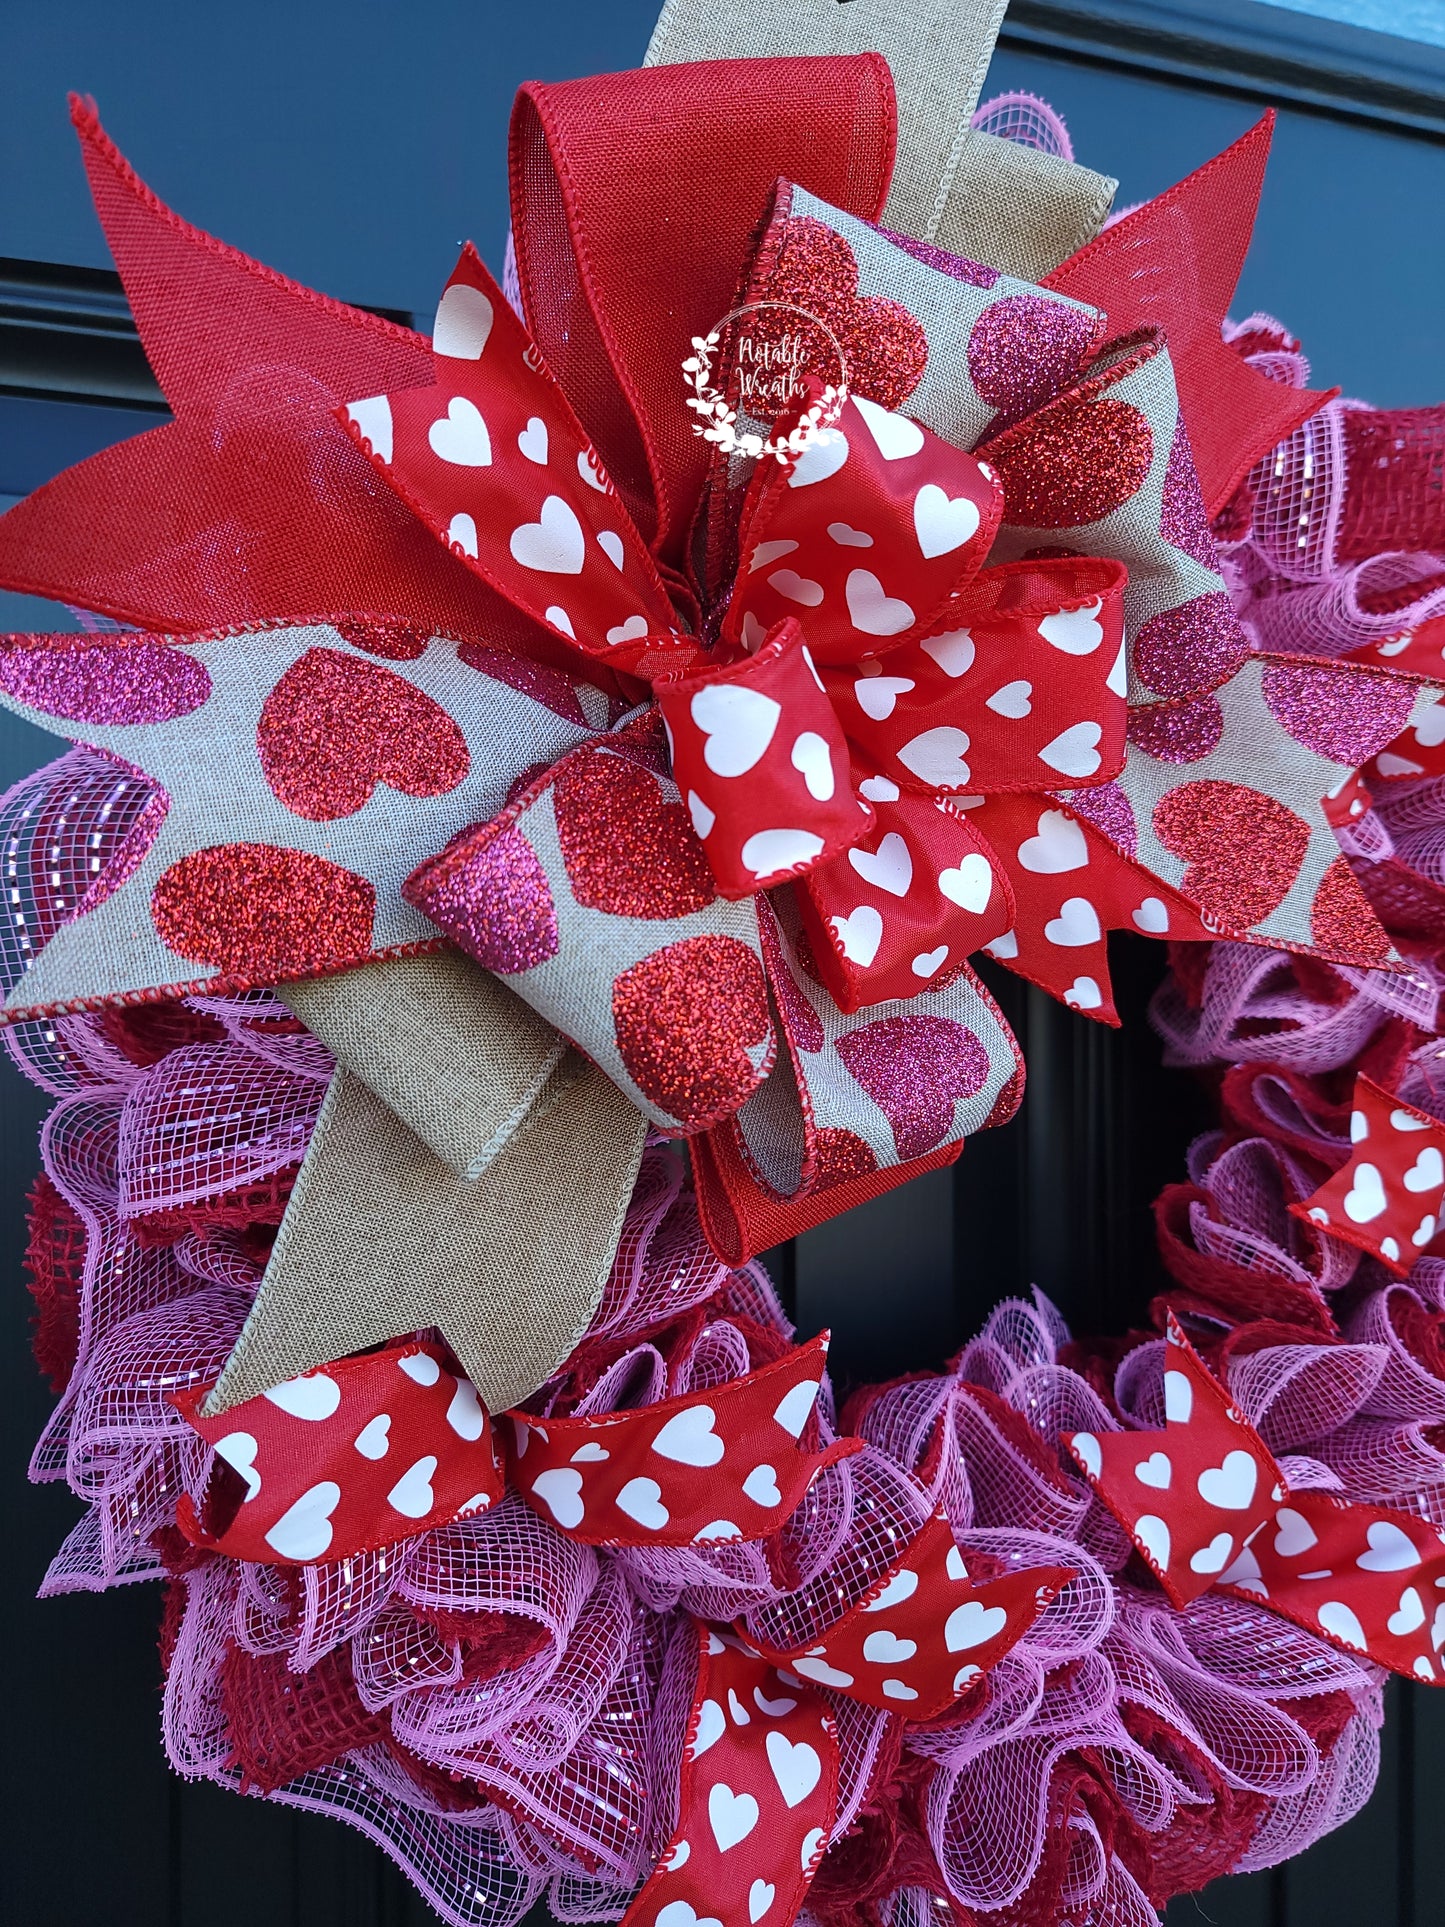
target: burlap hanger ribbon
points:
(469, 1170)
(992, 200)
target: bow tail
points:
(757, 1796)
(1206, 1504)
(1070, 887)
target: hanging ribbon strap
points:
(992, 200)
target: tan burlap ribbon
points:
(989, 199)
(457, 1056)
(469, 1170)
(382, 1237)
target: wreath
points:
(518, 859)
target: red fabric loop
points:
(616, 282)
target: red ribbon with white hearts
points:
(869, 669)
(379, 1447)
(1388, 1198)
(1206, 1504)
(356, 1456)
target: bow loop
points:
(759, 753)
(494, 462)
(1023, 690)
(871, 532)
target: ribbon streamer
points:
(1205, 1504)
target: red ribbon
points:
(1206, 1504)
(381, 1447)
(1388, 1197)
(359, 1455)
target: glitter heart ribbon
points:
(1206, 1504)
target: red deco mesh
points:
(283, 1724)
(55, 1259)
(679, 246)
(1395, 495)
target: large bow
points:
(294, 774)
(379, 1448)
(1206, 1503)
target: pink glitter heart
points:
(488, 891)
(1192, 648)
(1183, 732)
(915, 1069)
(1347, 714)
(544, 685)
(127, 680)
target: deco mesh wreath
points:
(516, 862)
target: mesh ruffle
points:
(497, 1705)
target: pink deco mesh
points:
(69, 835)
(532, 1694)
(1026, 119)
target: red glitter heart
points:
(686, 1018)
(263, 912)
(915, 1069)
(626, 850)
(334, 727)
(1074, 462)
(1244, 849)
(885, 351)
(1342, 922)
(841, 1156)
(397, 641)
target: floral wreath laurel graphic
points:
(720, 423)
(532, 867)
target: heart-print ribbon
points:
(1388, 1196)
(367, 1452)
(760, 1761)
(1206, 1504)
(687, 1471)
(894, 678)
(378, 1448)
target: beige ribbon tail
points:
(455, 1054)
(385, 1234)
(992, 200)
